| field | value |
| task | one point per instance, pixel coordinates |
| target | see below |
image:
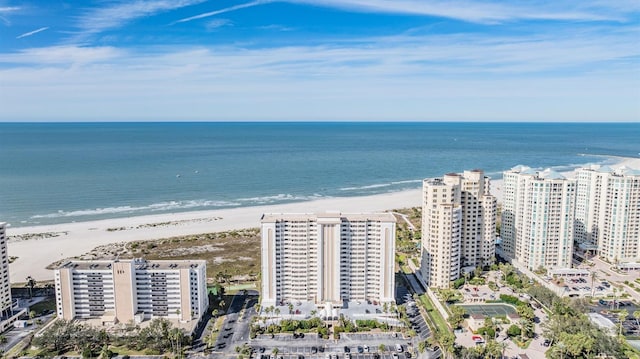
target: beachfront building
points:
(132, 290)
(458, 226)
(5, 283)
(328, 258)
(608, 212)
(537, 218)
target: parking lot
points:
(335, 352)
(333, 355)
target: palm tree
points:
(636, 315)
(622, 315)
(593, 279)
(30, 284)
(277, 312)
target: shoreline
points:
(38, 246)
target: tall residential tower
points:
(608, 212)
(5, 284)
(328, 258)
(538, 217)
(458, 226)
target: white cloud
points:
(565, 76)
(26, 34)
(224, 10)
(8, 9)
(487, 11)
(470, 11)
(62, 55)
(114, 16)
(5, 10)
(217, 23)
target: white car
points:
(366, 348)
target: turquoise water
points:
(52, 173)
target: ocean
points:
(65, 172)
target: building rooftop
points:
(139, 263)
(620, 171)
(381, 216)
(550, 174)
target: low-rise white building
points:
(131, 290)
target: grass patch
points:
(438, 321)
(47, 304)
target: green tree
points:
(525, 311)
(622, 315)
(447, 343)
(477, 272)
(382, 348)
(636, 316)
(457, 316)
(422, 346)
(31, 283)
(32, 314)
(513, 331)
(105, 353)
(446, 295)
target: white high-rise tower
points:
(458, 226)
(608, 212)
(537, 218)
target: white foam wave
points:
(280, 197)
(378, 185)
(162, 206)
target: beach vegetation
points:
(63, 336)
(235, 254)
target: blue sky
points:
(297, 60)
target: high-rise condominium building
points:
(537, 218)
(131, 290)
(458, 226)
(328, 258)
(5, 284)
(608, 212)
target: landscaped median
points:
(438, 322)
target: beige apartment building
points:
(608, 212)
(131, 290)
(5, 283)
(458, 226)
(328, 258)
(538, 217)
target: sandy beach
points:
(36, 247)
